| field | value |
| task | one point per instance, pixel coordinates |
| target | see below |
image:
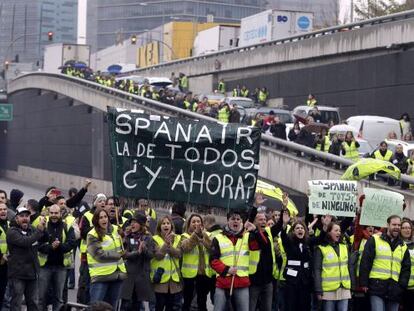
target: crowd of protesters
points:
(265, 259)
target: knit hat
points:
(98, 197)
(15, 197)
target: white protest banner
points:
(333, 197)
(378, 205)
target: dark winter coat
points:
(23, 262)
(138, 268)
(387, 289)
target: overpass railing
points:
(322, 32)
(152, 105)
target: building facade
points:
(326, 12)
(25, 25)
(110, 22)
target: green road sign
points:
(6, 112)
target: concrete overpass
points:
(374, 37)
(277, 166)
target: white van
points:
(375, 129)
(327, 113)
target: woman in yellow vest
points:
(106, 266)
(195, 245)
(350, 147)
(165, 267)
(407, 236)
(331, 271)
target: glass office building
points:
(111, 21)
(326, 12)
(25, 24)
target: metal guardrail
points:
(322, 32)
(145, 103)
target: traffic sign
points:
(6, 112)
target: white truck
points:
(272, 25)
(56, 55)
(216, 39)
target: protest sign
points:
(333, 197)
(199, 162)
(378, 205)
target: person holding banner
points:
(385, 267)
(165, 271)
(229, 258)
(331, 271)
(105, 260)
(407, 236)
(195, 245)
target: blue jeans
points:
(380, 304)
(240, 299)
(106, 291)
(335, 305)
(51, 277)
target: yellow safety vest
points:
(209, 270)
(254, 256)
(169, 264)
(3, 242)
(387, 157)
(189, 265)
(326, 145)
(151, 212)
(229, 253)
(184, 82)
(223, 115)
(280, 277)
(351, 151)
(221, 87)
(244, 93)
(387, 264)
(312, 102)
(411, 281)
(83, 247)
(262, 96)
(335, 273)
(187, 105)
(360, 251)
(110, 242)
(67, 257)
(69, 220)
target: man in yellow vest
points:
(383, 153)
(55, 258)
(311, 101)
(385, 266)
(4, 226)
(221, 88)
(261, 265)
(229, 258)
(183, 83)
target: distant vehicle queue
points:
(312, 125)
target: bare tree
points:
(366, 9)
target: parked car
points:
(365, 148)
(327, 113)
(213, 99)
(375, 129)
(242, 102)
(248, 114)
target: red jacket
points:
(223, 279)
